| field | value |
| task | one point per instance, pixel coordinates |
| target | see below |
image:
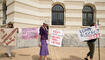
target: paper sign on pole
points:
(89, 33)
(56, 37)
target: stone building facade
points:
(70, 16)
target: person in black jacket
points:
(91, 45)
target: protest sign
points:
(89, 33)
(8, 36)
(56, 37)
(28, 37)
(29, 33)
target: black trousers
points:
(91, 46)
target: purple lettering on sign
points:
(29, 33)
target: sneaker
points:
(85, 58)
(6, 54)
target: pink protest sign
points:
(29, 33)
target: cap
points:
(46, 22)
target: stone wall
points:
(73, 40)
(30, 11)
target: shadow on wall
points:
(36, 57)
(72, 58)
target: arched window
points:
(57, 15)
(87, 16)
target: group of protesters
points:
(43, 42)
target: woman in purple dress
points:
(43, 37)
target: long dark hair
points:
(47, 27)
(92, 24)
(10, 23)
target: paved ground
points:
(56, 53)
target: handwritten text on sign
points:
(89, 33)
(29, 33)
(8, 36)
(56, 37)
(28, 37)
